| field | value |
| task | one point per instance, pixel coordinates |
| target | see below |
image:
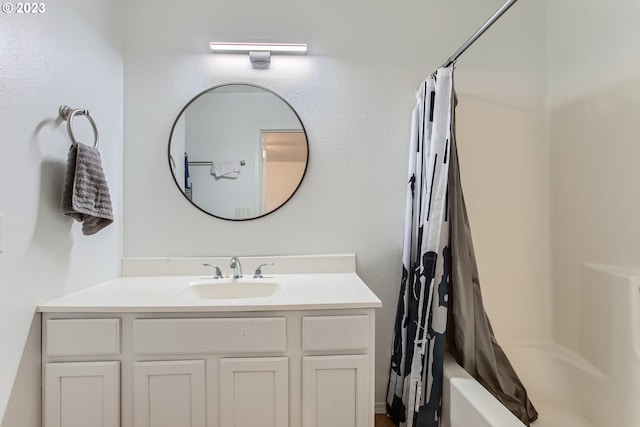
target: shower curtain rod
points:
(475, 36)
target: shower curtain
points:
(415, 383)
(440, 304)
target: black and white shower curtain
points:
(415, 384)
(440, 302)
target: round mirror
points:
(238, 151)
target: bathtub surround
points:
(593, 109)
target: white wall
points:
(594, 105)
(71, 54)
(354, 92)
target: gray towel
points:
(85, 196)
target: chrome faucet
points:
(217, 270)
(237, 268)
(258, 273)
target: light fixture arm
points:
(258, 57)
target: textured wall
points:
(71, 54)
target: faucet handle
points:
(218, 272)
(258, 272)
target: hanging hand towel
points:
(85, 196)
(227, 169)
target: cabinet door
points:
(335, 391)
(254, 392)
(81, 394)
(169, 394)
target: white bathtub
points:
(596, 386)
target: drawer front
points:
(250, 335)
(320, 333)
(86, 337)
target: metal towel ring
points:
(68, 113)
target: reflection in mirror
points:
(238, 151)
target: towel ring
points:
(68, 113)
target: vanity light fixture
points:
(259, 53)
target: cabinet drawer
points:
(88, 337)
(251, 335)
(321, 333)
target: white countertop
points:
(170, 294)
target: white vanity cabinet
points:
(311, 368)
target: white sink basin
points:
(232, 288)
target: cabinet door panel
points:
(81, 394)
(335, 391)
(169, 394)
(254, 392)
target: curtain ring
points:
(68, 114)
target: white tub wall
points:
(608, 340)
(608, 311)
(594, 105)
(71, 55)
(354, 92)
(507, 200)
